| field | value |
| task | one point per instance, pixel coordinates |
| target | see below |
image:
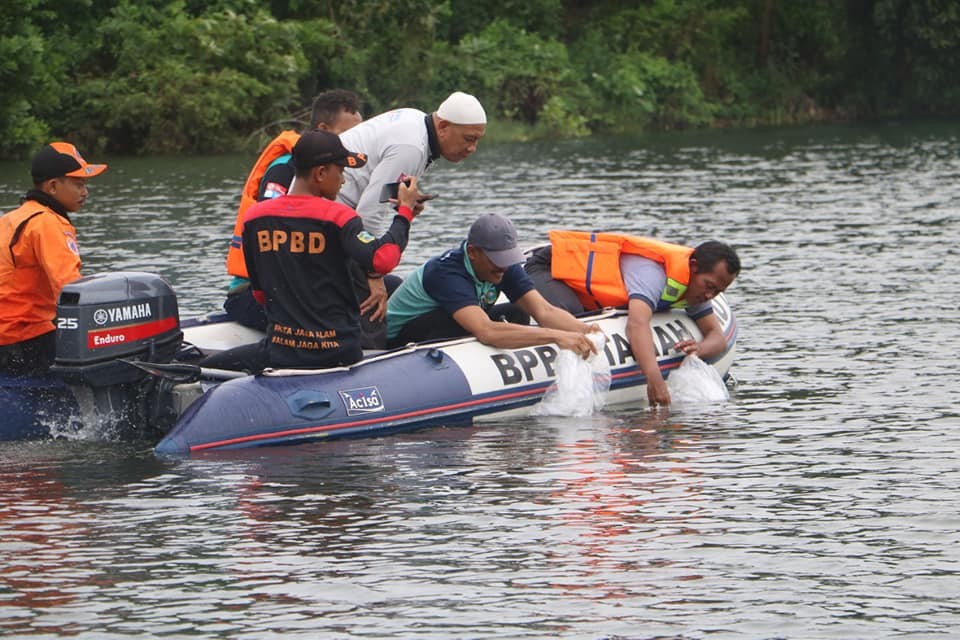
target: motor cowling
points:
(105, 319)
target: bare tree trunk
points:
(763, 50)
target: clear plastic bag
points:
(581, 385)
(695, 381)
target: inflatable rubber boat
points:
(124, 358)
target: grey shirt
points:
(645, 280)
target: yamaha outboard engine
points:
(104, 324)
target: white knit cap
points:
(462, 108)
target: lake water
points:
(820, 501)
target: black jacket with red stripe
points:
(297, 248)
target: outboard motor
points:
(104, 323)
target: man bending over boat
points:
(401, 143)
(39, 255)
(297, 248)
(581, 271)
(454, 295)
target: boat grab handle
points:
(310, 405)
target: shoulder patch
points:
(72, 243)
(274, 190)
(365, 237)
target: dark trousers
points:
(29, 358)
(556, 292)
(252, 358)
(438, 324)
(242, 307)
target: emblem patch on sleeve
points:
(365, 237)
(274, 190)
(72, 242)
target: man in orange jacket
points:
(38, 255)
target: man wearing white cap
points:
(398, 144)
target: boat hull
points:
(34, 408)
(450, 383)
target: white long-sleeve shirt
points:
(395, 143)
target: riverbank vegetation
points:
(192, 76)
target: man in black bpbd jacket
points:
(297, 248)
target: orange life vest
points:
(38, 255)
(589, 263)
(279, 146)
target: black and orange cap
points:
(59, 159)
(322, 147)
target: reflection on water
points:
(819, 501)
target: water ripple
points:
(818, 502)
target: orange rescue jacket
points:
(279, 146)
(38, 255)
(589, 263)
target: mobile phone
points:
(391, 191)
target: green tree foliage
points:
(148, 76)
(544, 17)
(907, 53)
(175, 81)
(25, 79)
(387, 57)
(778, 61)
(515, 71)
(659, 65)
(37, 49)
